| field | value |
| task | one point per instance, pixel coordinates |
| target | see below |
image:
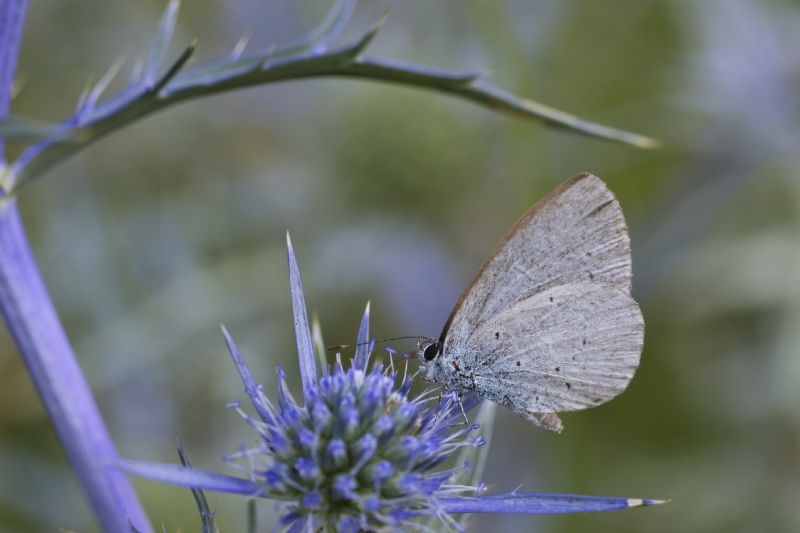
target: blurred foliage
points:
(154, 236)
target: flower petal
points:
(538, 503)
(190, 477)
(252, 388)
(305, 347)
(362, 343)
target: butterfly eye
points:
(431, 351)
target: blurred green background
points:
(151, 238)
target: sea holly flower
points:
(360, 452)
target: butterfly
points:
(548, 324)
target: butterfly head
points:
(429, 349)
(427, 352)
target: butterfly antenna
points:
(405, 337)
(343, 346)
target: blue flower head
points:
(360, 452)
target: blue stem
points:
(32, 320)
(12, 17)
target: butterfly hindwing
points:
(570, 347)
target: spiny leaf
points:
(90, 98)
(305, 347)
(539, 503)
(158, 52)
(206, 514)
(191, 477)
(332, 25)
(362, 342)
(359, 46)
(241, 44)
(327, 31)
(173, 70)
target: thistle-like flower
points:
(360, 453)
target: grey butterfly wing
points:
(567, 348)
(574, 240)
(576, 233)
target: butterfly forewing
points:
(576, 233)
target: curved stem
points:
(178, 85)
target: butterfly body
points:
(548, 324)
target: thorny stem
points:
(177, 85)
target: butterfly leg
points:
(461, 406)
(438, 409)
